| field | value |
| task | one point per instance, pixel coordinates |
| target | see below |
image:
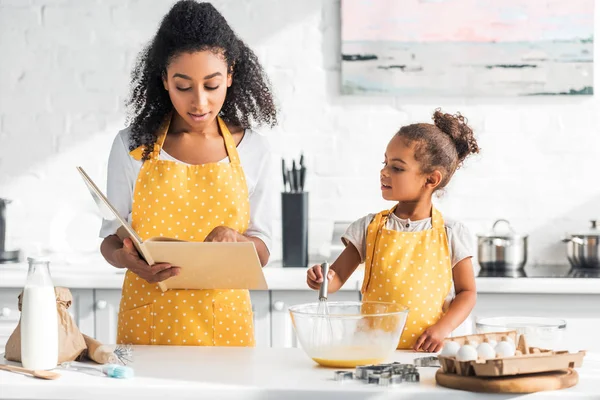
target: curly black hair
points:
(188, 27)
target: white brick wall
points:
(64, 73)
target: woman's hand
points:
(128, 257)
(225, 234)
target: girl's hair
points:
(443, 145)
(188, 27)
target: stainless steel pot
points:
(6, 256)
(502, 250)
(583, 249)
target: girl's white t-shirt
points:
(255, 157)
(460, 242)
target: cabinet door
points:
(282, 330)
(82, 310)
(261, 307)
(9, 314)
(107, 311)
(581, 313)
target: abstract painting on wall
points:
(467, 47)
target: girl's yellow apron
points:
(409, 268)
(186, 202)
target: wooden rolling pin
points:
(98, 352)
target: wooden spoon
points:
(37, 373)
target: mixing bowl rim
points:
(293, 309)
(561, 323)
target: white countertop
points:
(251, 373)
(104, 276)
(98, 274)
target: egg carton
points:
(527, 360)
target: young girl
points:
(411, 255)
(190, 167)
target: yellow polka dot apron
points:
(409, 268)
(186, 202)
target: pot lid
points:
(593, 230)
(506, 232)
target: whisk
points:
(323, 331)
(110, 370)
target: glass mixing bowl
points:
(348, 333)
(544, 333)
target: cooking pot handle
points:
(506, 222)
(575, 240)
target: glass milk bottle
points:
(39, 318)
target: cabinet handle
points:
(278, 305)
(5, 312)
(101, 304)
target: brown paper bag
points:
(70, 340)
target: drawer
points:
(9, 314)
(9, 305)
(6, 329)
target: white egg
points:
(505, 349)
(485, 351)
(467, 353)
(450, 349)
(492, 342)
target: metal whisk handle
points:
(323, 289)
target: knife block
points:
(294, 218)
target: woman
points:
(189, 167)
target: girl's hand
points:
(314, 277)
(223, 234)
(432, 339)
(128, 257)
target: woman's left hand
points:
(432, 339)
(223, 234)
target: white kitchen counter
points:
(224, 373)
(105, 276)
(100, 275)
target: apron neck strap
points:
(234, 158)
(162, 134)
(373, 234)
(437, 221)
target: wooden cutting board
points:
(510, 384)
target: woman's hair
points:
(443, 145)
(189, 27)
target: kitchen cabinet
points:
(261, 308)
(282, 331)
(9, 314)
(96, 310)
(106, 312)
(82, 310)
(581, 313)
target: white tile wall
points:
(64, 72)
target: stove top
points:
(542, 271)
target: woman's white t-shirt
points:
(255, 157)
